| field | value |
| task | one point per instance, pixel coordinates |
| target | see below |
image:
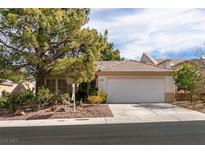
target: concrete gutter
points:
(52, 122)
(63, 122)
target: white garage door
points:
(135, 89)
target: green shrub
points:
(65, 97)
(3, 101)
(103, 96)
(4, 93)
(43, 97)
(27, 98)
(12, 102)
(61, 99)
(93, 91)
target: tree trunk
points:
(192, 102)
(40, 80)
(194, 105)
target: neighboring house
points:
(169, 63)
(200, 62)
(14, 88)
(172, 63)
(125, 82)
(147, 59)
(166, 63)
(7, 87)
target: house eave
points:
(134, 73)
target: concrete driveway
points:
(152, 112)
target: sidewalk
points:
(88, 121)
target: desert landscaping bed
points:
(198, 106)
(87, 111)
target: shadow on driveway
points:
(156, 106)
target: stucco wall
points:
(169, 84)
(101, 83)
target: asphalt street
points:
(181, 132)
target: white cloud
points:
(163, 30)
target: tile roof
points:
(128, 66)
(173, 61)
(160, 60)
(199, 61)
(176, 62)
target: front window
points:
(51, 85)
(62, 86)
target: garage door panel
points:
(124, 89)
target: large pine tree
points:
(42, 41)
(110, 54)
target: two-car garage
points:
(130, 82)
(135, 89)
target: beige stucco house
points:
(125, 82)
(132, 81)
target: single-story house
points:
(126, 82)
(132, 81)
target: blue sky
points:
(164, 33)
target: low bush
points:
(62, 99)
(3, 101)
(93, 91)
(103, 96)
(94, 99)
(100, 97)
(43, 97)
(11, 102)
(27, 98)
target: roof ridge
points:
(114, 64)
(165, 60)
(117, 63)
